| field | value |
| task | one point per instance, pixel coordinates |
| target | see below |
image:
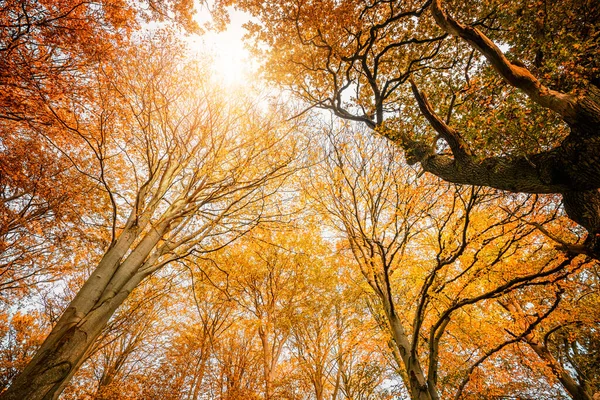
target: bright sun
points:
(230, 59)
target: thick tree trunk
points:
(571, 169)
(62, 353)
(67, 345)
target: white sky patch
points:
(504, 47)
(231, 61)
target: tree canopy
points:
(402, 204)
(496, 94)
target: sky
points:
(232, 61)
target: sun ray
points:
(231, 61)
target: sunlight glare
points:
(231, 62)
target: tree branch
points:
(520, 77)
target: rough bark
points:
(65, 349)
(573, 166)
(571, 169)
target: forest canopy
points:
(401, 203)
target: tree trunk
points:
(571, 169)
(264, 335)
(61, 354)
(318, 390)
(419, 388)
(198, 376)
(575, 390)
(67, 345)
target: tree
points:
(239, 372)
(563, 342)
(423, 249)
(149, 233)
(314, 343)
(338, 352)
(47, 49)
(274, 280)
(199, 329)
(514, 86)
(183, 171)
(123, 356)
